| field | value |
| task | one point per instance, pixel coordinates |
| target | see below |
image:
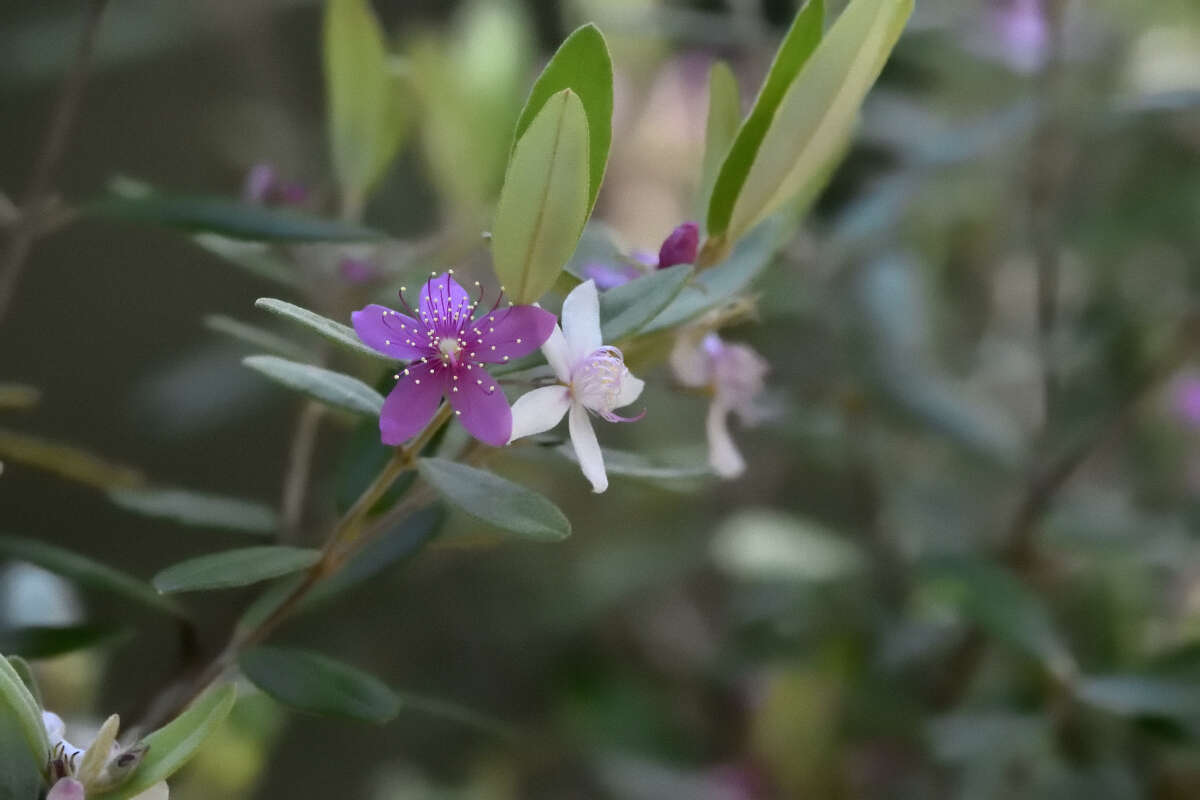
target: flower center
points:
(449, 347)
(596, 381)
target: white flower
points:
(103, 765)
(592, 377)
(734, 374)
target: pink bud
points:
(680, 247)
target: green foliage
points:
(85, 572)
(368, 106)
(319, 685)
(724, 118)
(333, 389)
(543, 205)
(20, 721)
(496, 501)
(234, 568)
(198, 509)
(41, 641)
(258, 338)
(582, 65)
(335, 332)
(173, 745)
(25, 673)
(66, 461)
(625, 309)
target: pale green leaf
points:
(739, 155)
(27, 676)
(234, 568)
(724, 116)
(258, 258)
(626, 308)
(816, 115)
(543, 205)
(583, 65)
(174, 745)
(496, 501)
(259, 338)
(21, 770)
(66, 461)
(319, 685)
(199, 509)
(323, 385)
(341, 335)
(21, 716)
(85, 572)
(1141, 695)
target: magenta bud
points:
(680, 247)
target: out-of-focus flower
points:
(357, 270)
(77, 772)
(448, 347)
(680, 246)
(264, 187)
(592, 377)
(734, 375)
(608, 276)
(1017, 32)
(1185, 399)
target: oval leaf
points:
(324, 385)
(233, 568)
(583, 65)
(21, 772)
(724, 116)
(21, 717)
(229, 218)
(319, 685)
(544, 203)
(336, 332)
(85, 572)
(626, 308)
(173, 745)
(259, 338)
(25, 673)
(797, 45)
(815, 116)
(198, 509)
(495, 500)
(367, 113)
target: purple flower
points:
(1016, 32)
(680, 247)
(448, 347)
(263, 187)
(1187, 399)
(608, 277)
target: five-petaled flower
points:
(733, 374)
(447, 347)
(104, 765)
(592, 377)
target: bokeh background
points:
(951, 571)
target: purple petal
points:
(509, 333)
(442, 298)
(411, 404)
(394, 334)
(260, 181)
(481, 406)
(607, 277)
(680, 247)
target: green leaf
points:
(626, 308)
(174, 745)
(66, 461)
(336, 332)
(229, 218)
(367, 105)
(812, 121)
(198, 509)
(257, 258)
(1141, 695)
(720, 284)
(324, 385)
(20, 718)
(638, 466)
(259, 338)
(27, 676)
(233, 568)
(544, 202)
(21, 772)
(85, 572)
(1000, 603)
(452, 712)
(49, 641)
(582, 64)
(496, 501)
(798, 44)
(724, 116)
(319, 685)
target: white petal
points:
(55, 727)
(539, 410)
(631, 389)
(723, 455)
(158, 791)
(66, 789)
(587, 449)
(558, 355)
(581, 320)
(690, 364)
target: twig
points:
(299, 465)
(30, 225)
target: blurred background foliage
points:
(963, 561)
